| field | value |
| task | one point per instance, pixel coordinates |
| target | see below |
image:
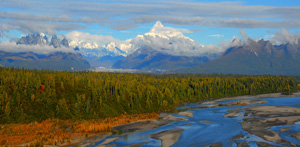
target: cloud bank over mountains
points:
(8, 46)
(284, 37)
(37, 43)
(163, 39)
(171, 41)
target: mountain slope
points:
(55, 61)
(163, 49)
(104, 61)
(254, 58)
(167, 41)
(147, 58)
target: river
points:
(208, 126)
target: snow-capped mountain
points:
(163, 49)
(36, 38)
(35, 51)
(82, 44)
(42, 39)
(166, 40)
(163, 39)
(95, 46)
(159, 31)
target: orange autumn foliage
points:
(58, 132)
(98, 126)
(42, 88)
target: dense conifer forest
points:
(33, 95)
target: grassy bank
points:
(62, 132)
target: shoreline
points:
(270, 95)
(165, 118)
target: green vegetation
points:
(32, 95)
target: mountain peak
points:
(158, 25)
(159, 31)
(42, 39)
(157, 28)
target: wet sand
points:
(186, 113)
(163, 119)
(297, 136)
(271, 95)
(168, 138)
(258, 119)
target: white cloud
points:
(268, 37)
(125, 31)
(284, 37)
(99, 42)
(163, 39)
(76, 36)
(9, 46)
(172, 41)
(216, 35)
(22, 16)
(37, 27)
(127, 14)
(232, 43)
(243, 34)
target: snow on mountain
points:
(124, 48)
(170, 41)
(42, 39)
(159, 31)
(35, 51)
(98, 45)
(82, 44)
(36, 38)
(163, 39)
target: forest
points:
(34, 96)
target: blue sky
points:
(206, 21)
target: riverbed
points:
(241, 121)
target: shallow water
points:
(221, 129)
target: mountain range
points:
(162, 49)
(96, 54)
(104, 57)
(254, 58)
(247, 57)
(56, 59)
(165, 46)
(146, 58)
(42, 39)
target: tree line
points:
(35, 95)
